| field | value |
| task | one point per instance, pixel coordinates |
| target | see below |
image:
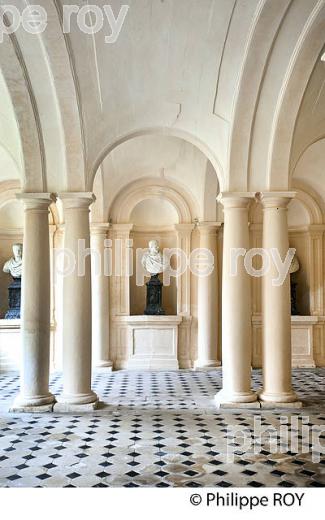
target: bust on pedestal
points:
(154, 263)
(14, 267)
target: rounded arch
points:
(150, 188)
(264, 31)
(12, 167)
(32, 154)
(39, 74)
(310, 200)
(305, 195)
(302, 153)
(8, 191)
(171, 132)
(302, 63)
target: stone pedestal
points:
(152, 341)
(154, 297)
(14, 299)
(293, 293)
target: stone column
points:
(77, 393)
(276, 306)
(122, 267)
(100, 299)
(36, 301)
(184, 236)
(58, 263)
(236, 305)
(183, 282)
(208, 301)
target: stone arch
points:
(39, 75)
(8, 190)
(24, 108)
(310, 201)
(200, 145)
(302, 62)
(264, 31)
(150, 188)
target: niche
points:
(153, 218)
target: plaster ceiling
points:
(228, 77)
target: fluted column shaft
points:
(236, 304)
(208, 301)
(77, 316)
(276, 304)
(35, 303)
(100, 298)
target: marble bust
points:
(153, 260)
(15, 264)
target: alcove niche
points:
(11, 232)
(299, 238)
(153, 219)
(300, 221)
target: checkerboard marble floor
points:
(162, 429)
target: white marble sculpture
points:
(153, 260)
(15, 264)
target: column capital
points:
(36, 201)
(121, 228)
(236, 199)
(184, 228)
(275, 199)
(99, 228)
(76, 200)
(209, 228)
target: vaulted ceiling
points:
(239, 81)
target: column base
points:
(275, 404)
(72, 408)
(31, 404)
(76, 402)
(103, 366)
(185, 364)
(207, 364)
(279, 400)
(236, 400)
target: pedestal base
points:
(236, 400)
(276, 404)
(233, 405)
(154, 297)
(205, 365)
(62, 407)
(152, 342)
(76, 402)
(14, 299)
(103, 367)
(273, 397)
(42, 403)
(46, 408)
